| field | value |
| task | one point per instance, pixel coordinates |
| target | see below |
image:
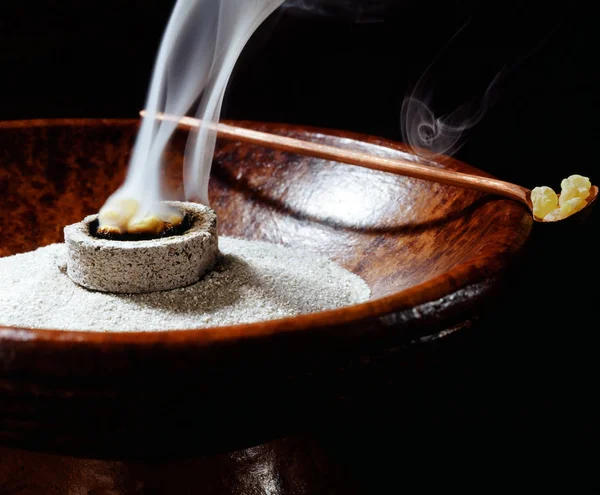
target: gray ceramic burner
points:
(126, 266)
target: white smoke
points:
(430, 135)
(364, 11)
(431, 132)
(200, 46)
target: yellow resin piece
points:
(575, 186)
(150, 225)
(547, 206)
(125, 216)
(174, 219)
(544, 201)
(116, 215)
(571, 206)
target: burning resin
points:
(123, 218)
(143, 261)
(547, 205)
(159, 230)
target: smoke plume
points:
(200, 46)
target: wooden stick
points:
(350, 157)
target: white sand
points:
(254, 281)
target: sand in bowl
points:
(252, 281)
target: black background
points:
(529, 377)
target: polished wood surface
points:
(432, 254)
(410, 166)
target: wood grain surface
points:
(433, 256)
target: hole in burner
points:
(168, 231)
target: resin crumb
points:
(549, 206)
(544, 201)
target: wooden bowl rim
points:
(467, 273)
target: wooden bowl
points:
(433, 255)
